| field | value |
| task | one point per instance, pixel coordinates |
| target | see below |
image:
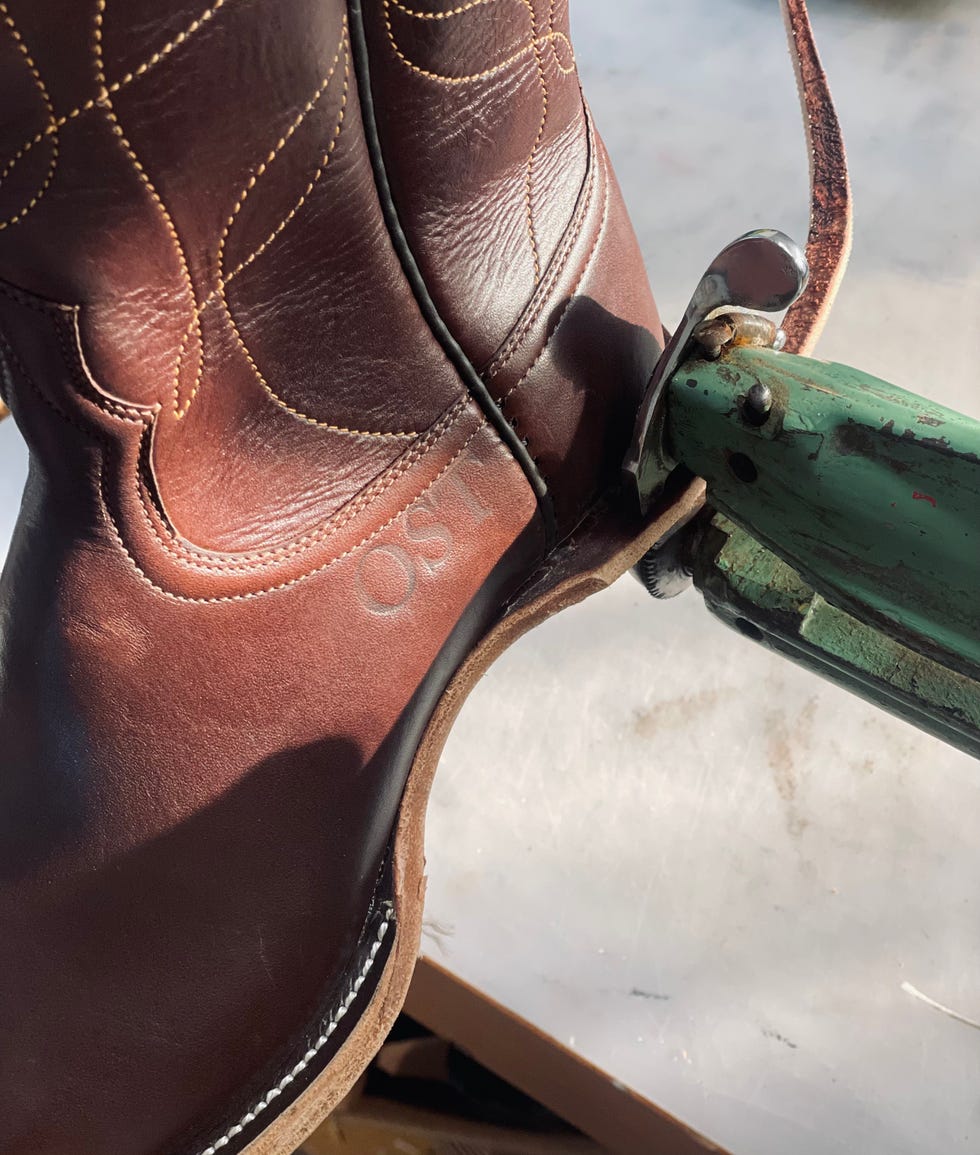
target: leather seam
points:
(306, 418)
(529, 175)
(69, 351)
(454, 353)
(30, 301)
(181, 410)
(557, 267)
(62, 316)
(571, 296)
(10, 352)
(333, 1022)
(225, 562)
(124, 414)
(170, 227)
(251, 595)
(587, 264)
(551, 37)
(190, 289)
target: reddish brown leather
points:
(265, 518)
(485, 134)
(828, 245)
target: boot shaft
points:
(298, 234)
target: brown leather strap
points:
(829, 243)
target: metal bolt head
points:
(757, 404)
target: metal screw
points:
(757, 404)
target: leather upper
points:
(514, 215)
(265, 517)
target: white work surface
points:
(707, 872)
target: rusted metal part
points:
(751, 589)
(871, 494)
(733, 329)
(829, 243)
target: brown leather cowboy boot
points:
(326, 328)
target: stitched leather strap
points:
(829, 243)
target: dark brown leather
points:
(485, 135)
(268, 511)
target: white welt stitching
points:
(335, 1018)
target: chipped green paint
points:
(871, 494)
(757, 575)
(750, 588)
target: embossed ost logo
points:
(388, 573)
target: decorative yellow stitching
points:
(535, 45)
(60, 121)
(493, 70)
(405, 10)
(571, 296)
(343, 47)
(525, 50)
(8, 20)
(180, 411)
(105, 104)
(218, 293)
(66, 320)
(529, 173)
(216, 561)
(560, 260)
(307, 419)
(168, 47)
(565, 71)
(253, 594)
(227, 278)
(194, 327)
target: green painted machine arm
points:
(845, 529)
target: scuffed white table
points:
(678, 858)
